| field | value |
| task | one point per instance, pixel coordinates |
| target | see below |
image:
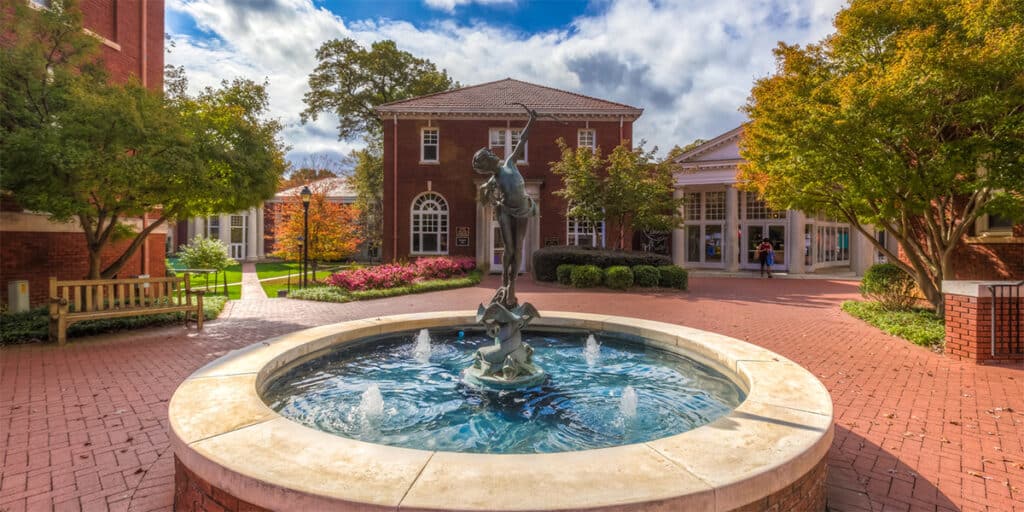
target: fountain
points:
(473, 422)
(421, 351)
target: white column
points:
(260, 253)
(190, 231)
(200, 226)
(731, 248)
(679, 234)
(862, 252)
(251, 244)
(483, 226)
(797, 221)
(225, 229)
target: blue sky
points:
(688, 63)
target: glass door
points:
(238, 232)
(754, 234)
(497, 248)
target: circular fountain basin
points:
(233, 449)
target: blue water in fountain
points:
(426, 404)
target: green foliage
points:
(671, 276)
(337, 294)
(368, 180)
(33, 326)
(635, 190)
(547, 259)
(80, 148)
(349, 81)
(586, 276)
(890, 286)
(908, 118)
(919, 326)
(618, 277)
(646, 276)
(204, 252)
(564, 272)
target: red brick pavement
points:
(83, 427)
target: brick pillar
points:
(969, 323)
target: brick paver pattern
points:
(84, 427)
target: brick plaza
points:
(83, 427)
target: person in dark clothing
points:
(764, 255)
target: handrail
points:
(1012, 310)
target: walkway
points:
(251, 287)
(83, 427)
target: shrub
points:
(565, 273)
(890, 286)
(646, 276)
(586, 276)
(204, 252)
(443, 268)
(671, 276)
(546, 260)
(618, 277)
(395, 275)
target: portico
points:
(240, 231)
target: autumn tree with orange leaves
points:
(333, 228)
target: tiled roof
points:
(500, 97)
(337, 188)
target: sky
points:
(689, 64)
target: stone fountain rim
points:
(222, 431)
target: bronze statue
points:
(509, 362)
(506, 191)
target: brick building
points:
(430, 187)
(33, 248)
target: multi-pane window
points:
(429, 228)
(503, 140)
(584, 233)
(428, 146)
(833, 243)
(757, 209)
(714, 205)
(692, 202)
(213, 227)
(586, 139)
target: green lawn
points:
(919, 326)
(282, 270)
(233, 276)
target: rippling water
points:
(427, 405)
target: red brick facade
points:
(454, 178)
(133, 46)
(975, 259)
(969, 329)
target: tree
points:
(630, 188)
(80, 148)
(368, 181)
(350, 81)
(678, 150)
(333, 231)
(909, 118)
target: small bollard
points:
(282, 293)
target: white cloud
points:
(690, 64)
(450, 5)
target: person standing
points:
(766, 255)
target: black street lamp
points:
(306, 195)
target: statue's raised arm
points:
(520, 148)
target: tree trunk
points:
(95, 263)
(137, 242)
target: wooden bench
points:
(75, 301)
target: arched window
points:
(429, 227)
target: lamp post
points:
(306, 195)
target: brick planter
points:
(969, 323)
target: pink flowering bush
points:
(393, 275)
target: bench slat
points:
(88, 298)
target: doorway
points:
(754, 233)
(239, 230)
(497, 251)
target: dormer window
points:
(429, 139)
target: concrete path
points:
(83, 427)
(251, 288)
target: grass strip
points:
(336, 294)
(918, 326)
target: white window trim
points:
(702, 223)
(982, 228)
(447, 225)
(509, 146)
(574, 236)
(437, 145)
(593, 138)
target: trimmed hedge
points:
(546, 260)
(672, 276)
(890, 286)
(618, 277)
(646, 276)
(586, 276)
(565, 273)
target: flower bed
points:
(395, 275)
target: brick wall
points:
(969, 329)
(121, 23)
(453, 177)
(36, 256)
(193, 494)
